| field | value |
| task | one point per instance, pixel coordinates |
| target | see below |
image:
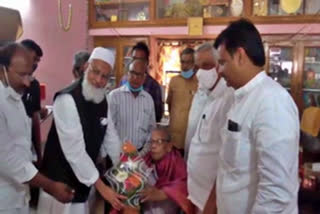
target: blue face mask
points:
(134, 89)
(187, 74)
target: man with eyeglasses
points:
(81, 129)
(16, 168)
(141, 51)
(180, 94)
(132, 108)
(168, 191)
(205, 142)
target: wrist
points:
(100, 186)
(43, 182)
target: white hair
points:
(208, 47)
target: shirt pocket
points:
(145, 120)
(230, 147)
(237, 152)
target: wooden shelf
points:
(116, 2)
(154, 21)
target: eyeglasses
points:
(96, 72)
(158, 141)
(186, 62)
(139, 58)
(136, 74)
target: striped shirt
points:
(134, 117)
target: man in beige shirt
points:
(181, 90)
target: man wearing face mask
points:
(180, 94)
(205, 83)
(16, 168)
(205, 143)
(132, 108)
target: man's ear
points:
(85, 66)
(169, 146)
(242, 56)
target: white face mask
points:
(207, 78)
(10, 91)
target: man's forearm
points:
(39, 180)
(58, 190)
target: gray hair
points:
(80, 58)
(164, 130)
(207, 47)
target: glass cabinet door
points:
(281, 65)
(285, 7)
(122, 10)
(311, 77)
(203, 8)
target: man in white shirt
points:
(198, 102)
(16, 168)
(80, 130)
(132, 108)
(204, 147)
(258, 160)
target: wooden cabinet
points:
(294, 62)
(131, 13)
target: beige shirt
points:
(180, 95)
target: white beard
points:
(91, 93)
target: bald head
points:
(17, 64)
(9, 50)
(137, 72)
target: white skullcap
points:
(103, 54)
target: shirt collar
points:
(7, 93)
(240, 92)
(125, 89)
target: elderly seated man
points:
(168, 194)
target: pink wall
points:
(41, 25)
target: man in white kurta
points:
(16, 168)
(258, 161)
(198, 103)
(75, 147)
(202, 162)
